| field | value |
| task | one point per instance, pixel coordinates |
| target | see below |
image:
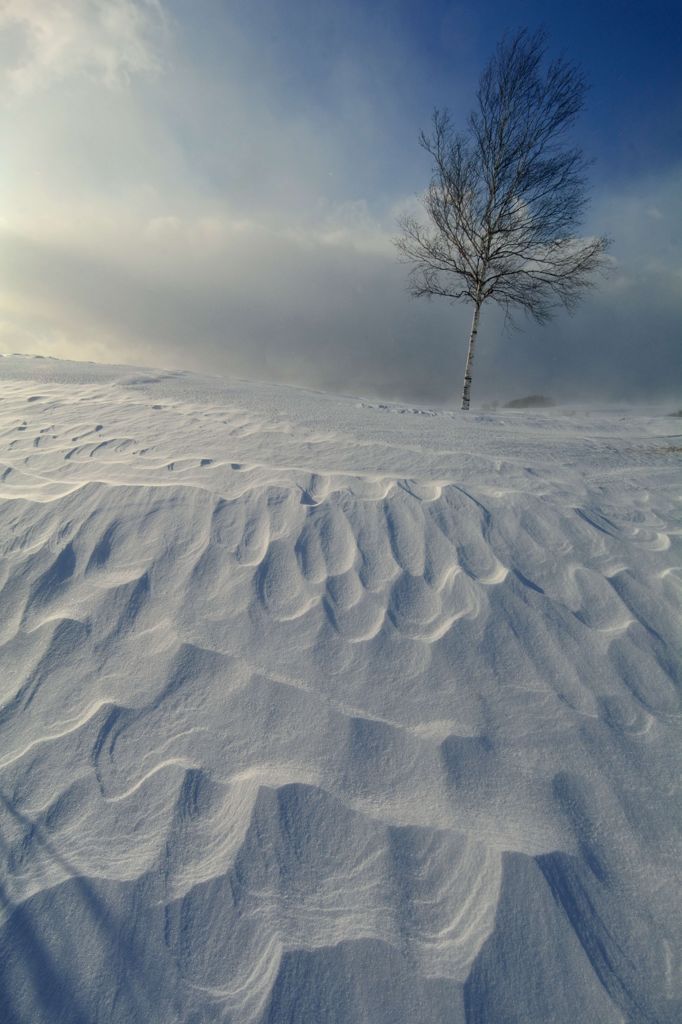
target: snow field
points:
(315, 709)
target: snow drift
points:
(318, 709)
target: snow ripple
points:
(289, 745)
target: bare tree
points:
(506, 195)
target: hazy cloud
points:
(109, 40)
(327, 306)
(215, 215)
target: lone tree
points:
(506, 195)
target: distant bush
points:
(530, 402)
(678, 413)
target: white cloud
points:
(214, 220)
(106, 40)
(325, 304)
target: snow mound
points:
(316, 709)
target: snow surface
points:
(316, 709)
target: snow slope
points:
(314, 709)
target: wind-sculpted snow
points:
(314, 709)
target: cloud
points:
(106, 40)
(326, 305)
(232, 297)
(218, 218)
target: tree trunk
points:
(470, 357)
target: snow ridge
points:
(311, 711)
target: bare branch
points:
(506, 196)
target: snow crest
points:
(313, 712)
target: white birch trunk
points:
(466, 393)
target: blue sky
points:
(215, 185)
(411, 56)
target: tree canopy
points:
(507, 194)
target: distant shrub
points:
(530, 402)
